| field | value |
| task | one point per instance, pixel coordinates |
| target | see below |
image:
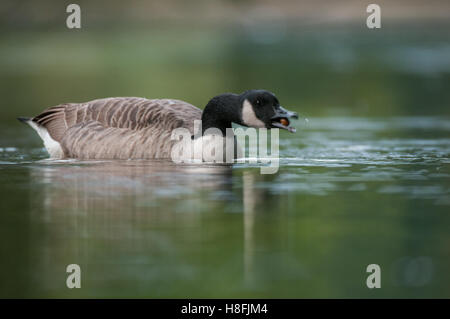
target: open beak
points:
(281, 119)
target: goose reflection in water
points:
(145, 209)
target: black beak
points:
(281, 119)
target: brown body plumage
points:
(117, 128)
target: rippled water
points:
(349, 192)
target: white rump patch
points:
(52, 146)
(249, 117)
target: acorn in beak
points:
(281, 119)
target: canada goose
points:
(138, 128)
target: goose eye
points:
(258, 102)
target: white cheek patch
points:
(249, 117)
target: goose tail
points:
(53, 147)
(24, 120)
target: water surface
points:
(350, 191)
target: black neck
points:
(220, 112)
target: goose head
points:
(253, 108)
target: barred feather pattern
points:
(118, 128)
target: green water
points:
(364, 181)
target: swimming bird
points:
(139, 128)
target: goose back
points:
(118, 128)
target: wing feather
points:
(131, 113)
(117, 127)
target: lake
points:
(365, 180)
(350, 192)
